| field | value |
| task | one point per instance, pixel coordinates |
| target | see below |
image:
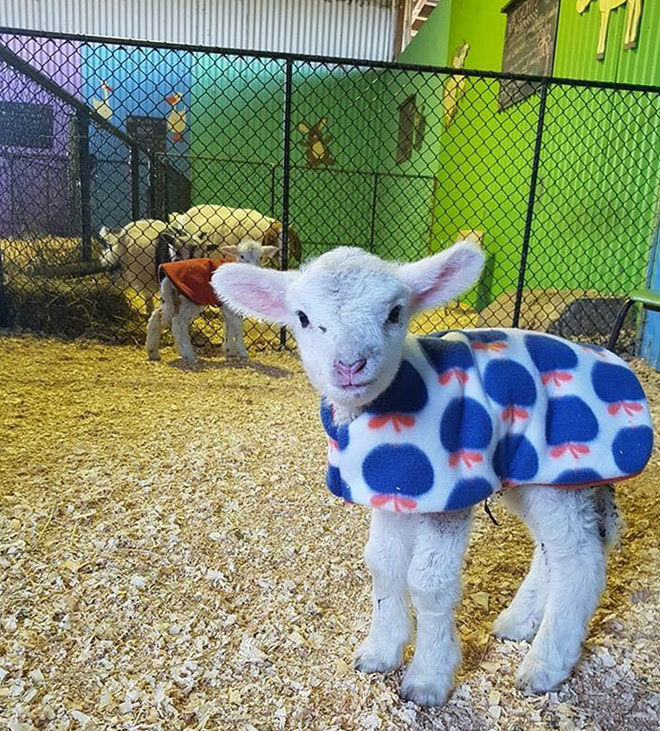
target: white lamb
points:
(186, 290)
(349, 311)
(220, 226)
(132, 254)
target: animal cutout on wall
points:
(176, 119)
(102, 106)
(455, 85)
(633, 16)
(316, 146)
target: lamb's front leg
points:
(240, 337)
(434, 582)
(182, 318)
(387, 554)
(233, 345)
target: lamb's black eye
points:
(304, 320)
(395, 314)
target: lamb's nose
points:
(350, 369)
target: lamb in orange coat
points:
(185, 291)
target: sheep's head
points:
(349, 310)
(180, 244)
(249, 251)
(108, 238)
(109, 256)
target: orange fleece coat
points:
(192, 277)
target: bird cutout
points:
(176, 119)
(316, 146)
(102, 106)
(455, 85)
(633, 16)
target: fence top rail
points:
(332, 60)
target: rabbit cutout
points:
(316, 151)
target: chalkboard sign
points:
(26, 125)
(149, 131)
(529, 46)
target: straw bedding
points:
(169, 558)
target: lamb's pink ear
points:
(268, 251)
(254, 292)
(229, 251)
(442, 277)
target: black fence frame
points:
(158, 169)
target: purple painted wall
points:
(34, 183)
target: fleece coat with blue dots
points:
(470, 412)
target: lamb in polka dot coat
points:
(471, 412)
(421, 429)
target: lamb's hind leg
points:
(159, 319)
(567, 523)
(522, 618)
(387, 554)
(434, 581)
(154, 328)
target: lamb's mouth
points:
(355, 387)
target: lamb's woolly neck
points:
(346, 414)
(473, 411)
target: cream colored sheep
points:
(133, 253)
(220, 226)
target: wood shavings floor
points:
(169, 558)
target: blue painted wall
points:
(141, 79)
(650, 348)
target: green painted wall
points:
(598, 175)
(237, 139)
(599, 163)
(331, 206)
(406, 190)
(235, 129)
(485, 156)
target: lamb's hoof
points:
(153, 356)
(534, 677)
(369, 659)
(424, 690)
(509, 626)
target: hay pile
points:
(84, 307)
(170, 559)
(31, 253)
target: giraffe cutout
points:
(606, 7)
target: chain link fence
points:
(558, 180)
